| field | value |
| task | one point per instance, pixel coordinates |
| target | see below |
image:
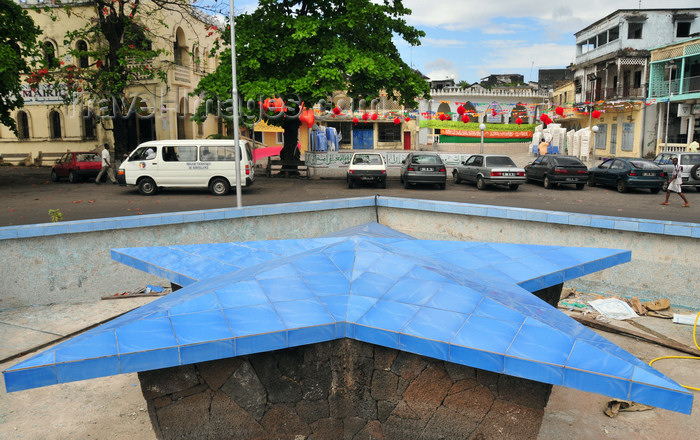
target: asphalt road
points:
(27, 194)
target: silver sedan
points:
(489, 169)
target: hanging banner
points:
(489, 134)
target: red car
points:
(77, 166)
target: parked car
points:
(77, 166)
(367, 168)
(422, 167)
(690, 167)
(554, 169)
(489, 169)
(626, 172)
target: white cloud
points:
(442, 42)
(512, 57)
(441, 68)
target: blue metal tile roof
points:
(464, 302)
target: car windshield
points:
(644, 165)
(690, 159)
(499, 161)
(432, 160)
(568, 161)
(371, 159)
(87, 157)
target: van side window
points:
(217, 154)
(180, 154)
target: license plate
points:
(366, 178)
(571, 178)
(509, 174)
(428, 169)
(648, 174)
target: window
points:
(179, 154)
(389, 132)
(344, 130)
(83, 60)
(49, 54)
(55, 124)
(634, 30)
(217, 154)
(614, 33)
(602, 38)
(279, 138)
(88, 125)
(22, 125)
(637, 79)
(683, 29)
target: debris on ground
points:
(618, 406)
(613, 308)
(147, 290)
(658, 304)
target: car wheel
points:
(547, 183)
(72, 178)
(401, 178)
(621, 186)
(442, 186)
(54, 176)
(513, 186)
(383, 184)
(580, 185)
(406, 184)
(147, 186)
(480, 184)
(664, 187)
(351, 184)
(455, 174)
(695, 171)
(219, 186)
(591, 182)
(655, 190)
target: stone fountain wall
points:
(342, 389)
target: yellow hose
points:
(695, 325)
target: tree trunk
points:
(290, 154)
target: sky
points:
(468, 40)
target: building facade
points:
(612, 71)
(163, 109)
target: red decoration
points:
(336, 111)
(543, 117)
(461, 110)
(365, 117)
(519, 121)
(559, 111)
(374, 116)
(596, 114)
(355, 120)
(465, 118)
(407, 119)
(493, 112)
(443, 117)
(397, 121)
(307, 116)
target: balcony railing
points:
(664, 88)
(181, 73)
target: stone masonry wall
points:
(342, 389)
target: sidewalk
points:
(115, 405)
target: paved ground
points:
(113, 407)
(26, 195)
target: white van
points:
(203, 163)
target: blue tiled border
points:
(661, 227)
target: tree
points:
(124, 44)
(17, 45)
(305, 50)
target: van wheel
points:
(147, 186)
(219, 186)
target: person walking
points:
(675, 184)
(106, 167)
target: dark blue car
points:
(624, 173)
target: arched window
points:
(50, 54)
(55, 124)
(83, 59)
(197, 61)
(88, 125)
(180, 48)
(22, 125)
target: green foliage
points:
(458, 125)
(55, 215)
(312, 48)
(17, 44)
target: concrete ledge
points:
(69, 262)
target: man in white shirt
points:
(106, 167)
(693, 146)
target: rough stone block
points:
(384, 357)
(230, 421)
(448, 424)
(156, 383)
(384, 385)
(459, 372)
(326, 429)
(311, 410)
(509, 421)
(283, 422)
(185, 418)
(472, 403)
(371, 431)
(523, 391)
(244, 388)
(428, 391)
(384, 409)
(216, 373)
(351, 426)
(408, 365)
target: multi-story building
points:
(611, 72)
(674, 85)
(47, 125)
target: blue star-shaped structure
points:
(462, 302)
